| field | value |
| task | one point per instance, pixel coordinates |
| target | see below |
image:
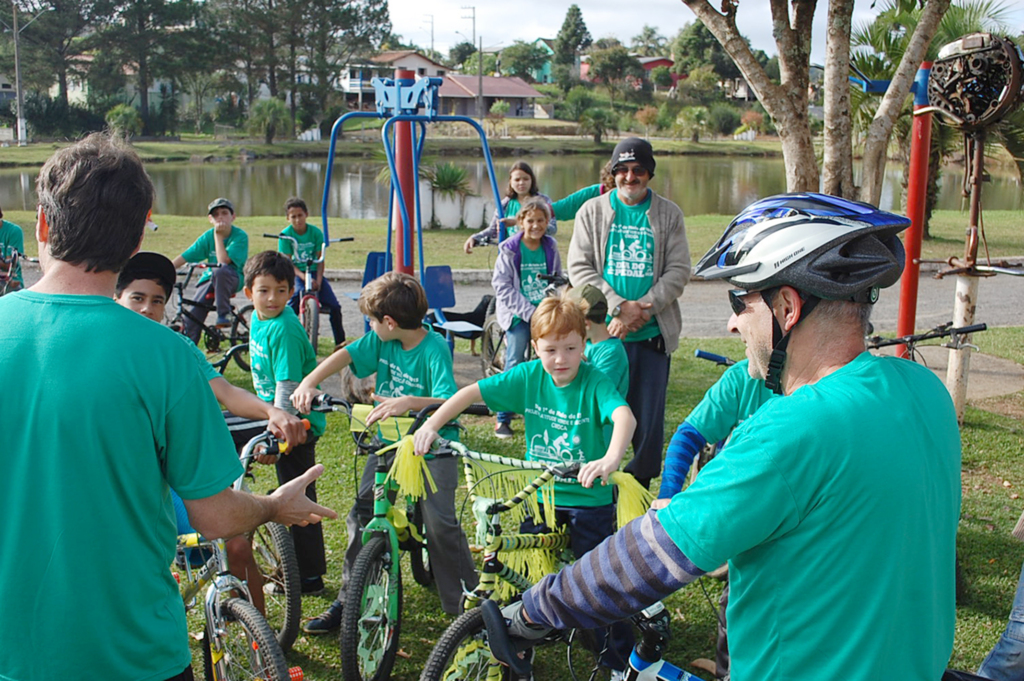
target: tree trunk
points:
(837, 166)
(877, 141)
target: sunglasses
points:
(736, 300)
(638, 171)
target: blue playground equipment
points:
(400, 100)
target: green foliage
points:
(124, 120)
(597, 122)
(460, 52)
(572, 37)
(649, 43)
(667, 113)
(701, 86)
(692, 122)
(661, 76)
(724, 118)
(695, 47)
(499, 109)
(473, 65)
(523, 59)
(53, 118)
(269, 119)
(577, 102)
(565, 76)
(647, 117)
(616, 68)
(448, 179)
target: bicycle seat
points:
(503, 648)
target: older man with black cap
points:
(631, 244)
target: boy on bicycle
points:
(414, 370)
(281, 357)
(11, 239)
(310, 239)
(223, 244)
(605, 352)
(565, 405)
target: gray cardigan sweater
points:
(671, 259)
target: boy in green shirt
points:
(310, 240)
(565, 405)
(281, 357)
(605, 352)
(223, 244)
(414, 370)
(11, 239)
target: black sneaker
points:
(313, 586)
(503, 431)
(325, 622)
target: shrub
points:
(577, 102)
(724, 118)
(124, 120)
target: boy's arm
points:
(318, 279)
(179, 261)
(452, 407)
(624, 423)
(222, 250)
(283, 425)
(302, 398)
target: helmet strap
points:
(780, 340)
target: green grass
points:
(177, 232)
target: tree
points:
(268, 119)
(615, 67)
(692, 121)
(661, 76)
(649, 43)
(124, 120)
(724, 119)
(572, 37)
(597, 122)
(646, 116)
(577, 102)
(523, 59)
(695, 46)
(459, 53)
(496, 116)
(786, 102)
(701, 86)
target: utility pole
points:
(480, 83)
(22, 134)
(473, 17)
(431, 34)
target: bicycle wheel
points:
(240, 334)
(369, 635)
(248, 649)
(311, 319)
(274, 551)
(462, 652)
(492, 347)
(419, 559)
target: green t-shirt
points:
(309, 245)
(729, 402)
(609, 357)
(205, 249)
(280, 351)
(95, 433)
(532, 263)
(562, 425)
(422, 371)
(837, 508)
(629, 258)
(566, 209)
(12, 239)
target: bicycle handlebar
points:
(938, 332)
(325, 402)
(720, 360)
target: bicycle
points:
(8, 267)
(238, 642)
(197, 311)
(492, 343)
(513, 561)
(957, 339)
(370, 630)
(309, 303)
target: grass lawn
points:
(993, 471)
(177, 232)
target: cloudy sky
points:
(500, 23)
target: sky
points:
(502, 23)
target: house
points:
(458, 95)
(6, 89)
(648, 64)
(355, 81)
(544, 74)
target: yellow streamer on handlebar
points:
(634, 498)
(408, 470)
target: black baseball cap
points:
(634, 149)
(148, 265)
(593, 299)
(220, 203)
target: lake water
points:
(699, 184)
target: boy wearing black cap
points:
(604, 351)
(223, 244)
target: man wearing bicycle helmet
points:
(835, 505)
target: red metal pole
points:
(917, 191)
(407, 180)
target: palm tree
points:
(877, 49)
(269, 118)
(597, 122)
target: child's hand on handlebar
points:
(423, 439)
(591, 471)
(468, 246)
(387, 407)
(302, 398)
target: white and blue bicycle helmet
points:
(825, 247)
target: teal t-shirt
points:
(629, 257)
(205, 368)
(532, 264)
(204, 249)
(609, 357)
(280, 351)
(95, 433)
(309, 245)
(562, 425)
(566, 209)
(422, 371)
(729, 402)
(12, 239)
(837, 509)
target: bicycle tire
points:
(251, 650)
(240, 334)
(311, 319)
(462, 652)
(369, 637)
(419, 558)
(492, 347)
(274, 552)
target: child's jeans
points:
(223, 282)
(327, 300)
(588, 526)
(1005, 662)
(517, 350)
